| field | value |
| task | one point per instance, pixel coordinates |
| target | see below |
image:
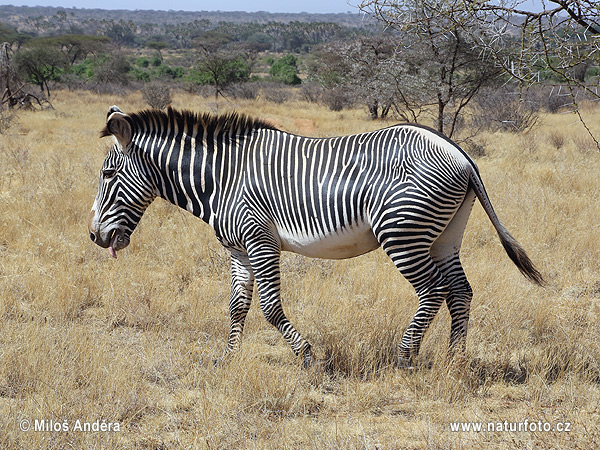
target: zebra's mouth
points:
(118, 241)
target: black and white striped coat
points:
(405, 188)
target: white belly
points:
(345, 243)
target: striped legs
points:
(458, 301)
(445, 252)
(264, 257)
(420, 270)
(407, 231)
(242, 285)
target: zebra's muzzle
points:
(114, 240)
(118, 241)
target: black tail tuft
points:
(518, 255)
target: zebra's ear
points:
(119, 126)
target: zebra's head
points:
(125, 189)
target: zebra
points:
(405, 188)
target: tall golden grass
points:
(132, 341)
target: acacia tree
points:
(40, 63)
(434, 71)
(365, 69)
(444, 72)
(561, 39)
(220, 68)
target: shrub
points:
(557, 139)
(276, 95)
(503, 109)
(311, 92)
(112, 69)
(157, 95)
(140, 75)
(142, 61)
(337, 98)
(285, 70)
(247, 91)
(165, 71)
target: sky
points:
(313, 6)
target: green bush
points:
(140, 75)
(285, 70)
(142, 61)
(227, 71)
(85, 69)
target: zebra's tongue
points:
(111, 247)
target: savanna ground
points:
(132, 341)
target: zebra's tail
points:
(514, 250)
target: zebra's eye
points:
(108, 173)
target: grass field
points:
(131, 342)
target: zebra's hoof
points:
(217, 362)
(308, 360)
(405, 363)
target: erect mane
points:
(240, 123)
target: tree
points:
(547, 45)
(121, 33)
(9, 34)
(430, 72)
(364, 68)
(158, 46)
(76, 47)
(220, 68)
(8, 77)
(40, 62)
(285, 70)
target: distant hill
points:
(23, 17)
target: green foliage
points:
(142, 61)
(84, 69)
(40, 63)
(165, 71)
(220, 70)
(140, 75)
(147, 70)
(285, 70)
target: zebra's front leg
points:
(242, 286)
(265, 263)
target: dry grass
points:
(133, 340)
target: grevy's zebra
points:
(405, 188)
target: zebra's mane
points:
(154, 120)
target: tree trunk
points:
(440, 117)
(373, 107)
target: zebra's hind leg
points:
(417, 266)
(264, 258)
(445, 252)
(242, 286)
(458, 301)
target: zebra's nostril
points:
(93, 237)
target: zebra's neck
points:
(194, 168)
